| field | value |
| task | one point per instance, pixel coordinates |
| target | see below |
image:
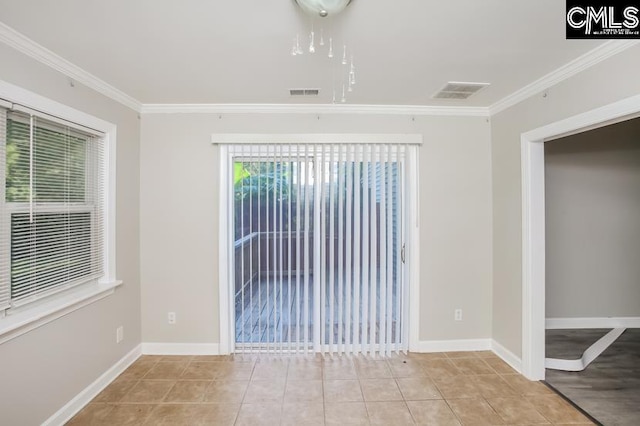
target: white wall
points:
(44, 369)
(593, 223)
(179, 217)
(607, 82)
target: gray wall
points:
(593, 223)
(609, 81)
(44, 369)
(179, 217)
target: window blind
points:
(318, 233)
(52, 207)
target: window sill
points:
(19, 323)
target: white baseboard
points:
(605, 322)
(64, 414)
(181, 349)
(507, 356)
(453, 345)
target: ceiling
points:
(239, 52)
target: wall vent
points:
(304, 92)
(459, 90)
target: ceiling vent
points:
(304, 92)
(459, 90)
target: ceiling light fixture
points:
(347, 69)
(323, 8)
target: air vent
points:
(459, 90)
(304, 92)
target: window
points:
(52, 206)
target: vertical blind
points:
(52, 209)
(318, 248)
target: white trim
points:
(533, 219)
(507, 356)
(421, 110)
(589, 59)
(181, 349)
(31, 317)
(588, 356)
(315, 138)
(25, 45)
(225, 259)
(593, 322)
(466, 345)
(71, 408)
(412, 244)
(12, 93)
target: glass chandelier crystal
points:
(343, 66)
(323, 8)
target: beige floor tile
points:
(138, 369)
(492, 386)
(269, 370)
(499, 366)
(557, 410)
(228, 391)
(474, 412)
(380, 390)
(235, 371)
(92, 414)
(201, 371)
(516, 411)
(264, 391)
(461, 354)
(177, 358)
(389, 413)
(418, 388)
(342, 391)
(149, 391)
(165, 370)
(303, 391)
(435, 413)
(259, 414)
(457, 387)
(526, 387)
(193, 415)
(427, 356)
(187, 391)
(370, 369)
(130, 414)
(339, 369)
(471, 366)
(440, 368)
(304, 370)
(346, 414)
(115, 391)
(485, 354)
(407, 367)
(302, 414)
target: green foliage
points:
(261, 180)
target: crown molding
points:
(313, 109)
(25, 45)
(587, 60)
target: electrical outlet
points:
(119, 334)
(457, 315)
(171, 317)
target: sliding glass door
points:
(318, 248)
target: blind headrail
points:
(315, 138)
(12, 106)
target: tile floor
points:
(468, 388)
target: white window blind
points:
(52, 209)
(318, 241)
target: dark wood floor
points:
(609, 388)
(269, 312)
